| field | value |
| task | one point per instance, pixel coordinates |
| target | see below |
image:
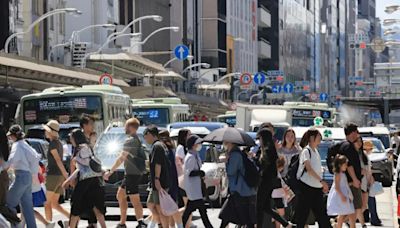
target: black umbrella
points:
(230, 134)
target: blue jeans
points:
(372, 210)
(21, 194)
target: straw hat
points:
(53, 127)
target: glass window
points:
(156, 116)
(63, 109)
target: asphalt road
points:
(386, 205)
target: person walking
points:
(371, 202)
(242, 195)
(289, 149)
(159, 175)
(24, 160)
(173, 191)
(354, 171)
(340, 197)
(280, 194)
(56, 173)
(39, 195)
(180, 155)
(358, 146)
(134, 160)
(269, 179)
(192, 181)
(312, 187)
(4, 154)
(89, 189)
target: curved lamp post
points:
(391, 9)
(389, 22)
(83, 61)
(174, 28)
(225, 77)
(157, 18)
(190, 57)
(37, 21)
(75, 34)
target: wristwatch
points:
(157, 178)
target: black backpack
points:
(251, 173)
(291, 178)
(332, 152)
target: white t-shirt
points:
(180, 152)
(315, 162)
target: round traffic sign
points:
(181, 52)
(378, 45)
(313, 96)
(106, 79)
(318, 121)
(245, 79)
(259, 78)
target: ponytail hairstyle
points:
(312, 133)
(338, 162)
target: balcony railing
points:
(264, 49)
(264, 18)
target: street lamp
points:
(83, 61)
(174, 28)
(389, 22)
(225, 77)
(221, 69)
(204, 65)
(391, 9)
(75, 34)
(157, 18)
(57, 46)
(73, 11)
(389, 32)
(189, 57)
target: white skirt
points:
(335, 205)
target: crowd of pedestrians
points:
(264, 182)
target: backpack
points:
(330, 157)
(291, 178)
(251, 173)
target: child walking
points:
(340, 197)
(279, 192)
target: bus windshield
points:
(156, 116)
(65, 109)
(230, 120)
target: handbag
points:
(167, 204)
(376, 189)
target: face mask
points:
(198, 148)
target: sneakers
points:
(51, 225)
(63, 224)
(141, 224)
(121, 226)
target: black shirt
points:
(159, 156)
(347, 149)
(52, 167)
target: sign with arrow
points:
(259, 78)
(276, 89)
(181, 52)
(288, 88)
(323, 97)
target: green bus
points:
(106, 104)
(160, 111)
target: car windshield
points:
(378, 146)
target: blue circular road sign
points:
(323, 97)
(259, 78)
(276, 88)
(288, 88)
(181, 52)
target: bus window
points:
(64, 109)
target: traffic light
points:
(363, 45)
(352, 46)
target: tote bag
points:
(167, 204)
(376, 189)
